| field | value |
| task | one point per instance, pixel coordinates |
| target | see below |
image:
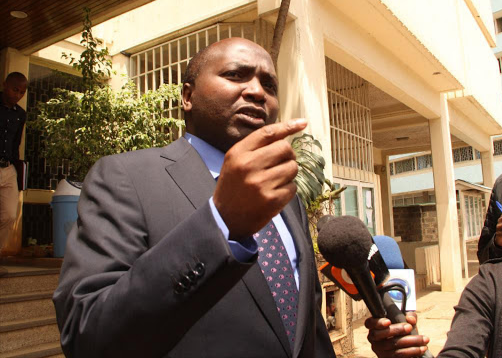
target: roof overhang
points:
(51, 21)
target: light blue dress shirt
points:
(213, 158)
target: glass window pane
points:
(133, 66)
(157, 57)
(192, 43)
(142, 63)
(351, 206)
(166, 72)
(183, 49)
(157, 79)
(202, 40)
(174, 74)
(223, 32)
(212, 33)
(174, 51)
(149, 56)
(142, 84)
(249, 32)
(369, 211)
(149, 83)
(165, 55)
(236, 30)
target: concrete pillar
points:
(301, 64)
(120, 64)
(446, 203)
(12, 60)
(488, 171)
(382, 170)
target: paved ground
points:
(435, 312)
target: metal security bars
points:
(350, 118)
(167, 62)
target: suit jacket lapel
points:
(305, 298)
(189, 172)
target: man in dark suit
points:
(163, 262)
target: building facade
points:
(374, 78)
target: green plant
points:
(311, 182)
(310, 178)
(84, 126)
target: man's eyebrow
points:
(246, 67)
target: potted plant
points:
(81, 127)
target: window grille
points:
(474, 214)
(424, 161)
(477, 154)
(350, 118)
(406, 165)
(462, 154)
(391, 168)
(167, 62)
(497, 147)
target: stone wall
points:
(419, 223)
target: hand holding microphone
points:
(347, 245)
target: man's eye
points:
(232, 74)
(270, 86)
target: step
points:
(21, 324)
(28, 334)
(29, 282)
(25, 306)
(45, 350)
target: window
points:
(358, 199)
(462, 154)
(413, 199)
(497, 147)
(473, 214)
(424, 161)
(498, 25)
(350, 118)
(406, 165)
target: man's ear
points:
(186, 97)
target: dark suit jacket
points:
(144, 222)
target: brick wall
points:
(419, 223)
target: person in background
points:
(476, 329)
(490, 240)
(12, 119)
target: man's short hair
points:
(195, 65)
(16, 76)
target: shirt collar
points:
(212, 157)
(2, 104)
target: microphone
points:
(390, 251)
(346, 244)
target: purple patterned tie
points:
(276, 267)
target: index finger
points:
(271, 133)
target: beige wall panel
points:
(481, 68)
(159, 18)
(352, 47)
(435, 25)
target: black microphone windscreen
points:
(345, 242)
(323, 220)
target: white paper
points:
(406, 277)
